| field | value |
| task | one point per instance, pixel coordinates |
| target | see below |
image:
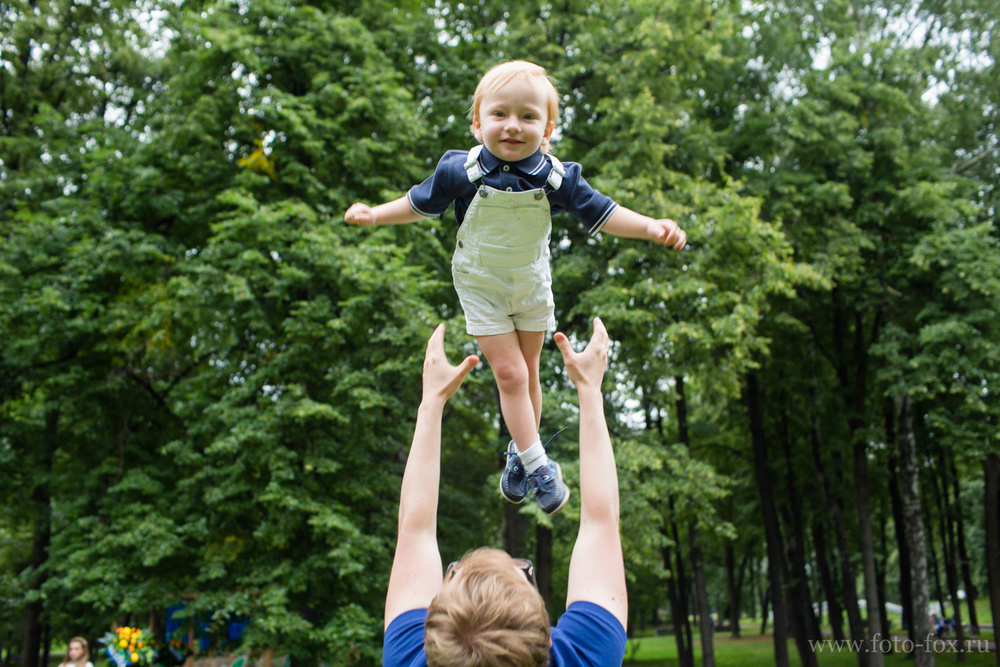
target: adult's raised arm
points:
(596, 568)
(416, 567)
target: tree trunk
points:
(46, 644)
(902, 548)
(512, 530)
(30, 652)
(772, 529)
(729, 554)
(885, 632)
(832, 503)
(834, 612)
(916, 543)
(950, 560)
(804, 623)
(934, 569)
(899, 524)
(971, 593)
(543, 562)
(683, 582)
(854, 393)
(673, 563)
(860, 452)
(765, 602)
(701, 593)
(734, 587)
(991, 508)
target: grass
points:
(755, 650)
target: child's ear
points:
(547, 136)
(477, 130)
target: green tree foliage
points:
(207, 381)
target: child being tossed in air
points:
(506, 191)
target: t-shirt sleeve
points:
(432, 197)
(403, 644)
(578, 198)
(588, 635)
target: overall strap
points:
(472, 168)
(556, 174)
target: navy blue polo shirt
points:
(450, 183)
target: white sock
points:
(533, 457)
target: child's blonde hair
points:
(500, 75)
(490, 618)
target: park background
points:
(208, 382)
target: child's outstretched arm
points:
(396, 212)
(626, 222)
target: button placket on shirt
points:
(507, 179)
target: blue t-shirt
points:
(450, 183)
(587, 635)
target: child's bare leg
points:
(531, 343)
(511, 371)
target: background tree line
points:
(208, 381)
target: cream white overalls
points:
(501, 261)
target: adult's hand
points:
(441, 379)
(586, 369)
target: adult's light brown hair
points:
(487, 615)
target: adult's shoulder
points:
(588, 634)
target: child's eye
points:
(499, 114)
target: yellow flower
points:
(123, 643)
(135, 657)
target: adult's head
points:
(488, 614)
(77, 652)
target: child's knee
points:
(511, 376)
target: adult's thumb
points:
(562, 343)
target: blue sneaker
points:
(513, 481)
(551, 493)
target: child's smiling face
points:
(512, 120)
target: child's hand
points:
(668, 233)
(360, 214)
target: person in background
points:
(77, 654)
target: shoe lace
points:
(542, 478)
(507, 452)
(546, 445)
